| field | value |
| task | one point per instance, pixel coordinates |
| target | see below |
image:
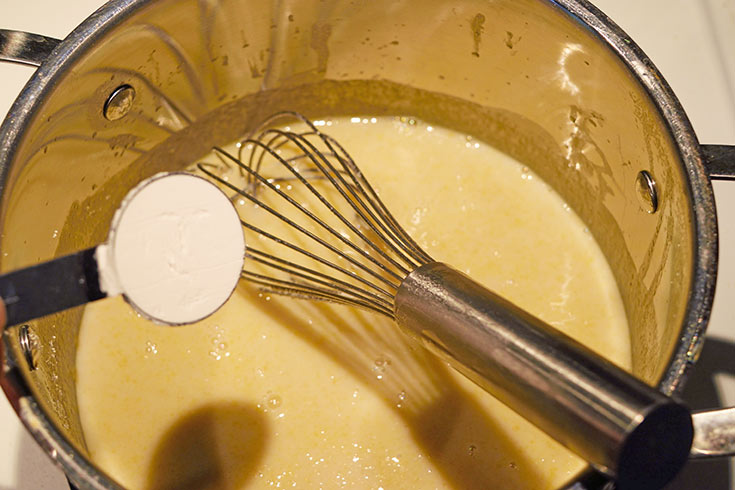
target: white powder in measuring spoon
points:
(175, 249)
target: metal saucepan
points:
(143, 86)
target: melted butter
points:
(274, 392)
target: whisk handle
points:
(622, 426)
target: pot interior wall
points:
(520, 75)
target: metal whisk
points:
(343, 245)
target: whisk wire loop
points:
(297, 270)
(349, 192)
(372, 258)
(300, 250)
(296, 226)
(403, 239)
(305, 291)
(322, 261)
(397, 275)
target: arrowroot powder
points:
(273, 392)
(175, 249)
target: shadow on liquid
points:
(191, 455)
(464, 443)
(196, 453)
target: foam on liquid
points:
(275, 392)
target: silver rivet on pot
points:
(647, 192)
(119, 102)
(28, 346)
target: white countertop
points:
(692, 42)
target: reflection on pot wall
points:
(519, 75)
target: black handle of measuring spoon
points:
(50, 287)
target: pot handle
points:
(714, 433)
(24, 47)
(719, 160)
(714, 430)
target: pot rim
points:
(699, 187)
(703, 212)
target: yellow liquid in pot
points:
(276, 392)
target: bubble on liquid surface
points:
(401, 399)
(274, 401)
(381, 363)
(219, 345)
(418, 215)
(151, 348)
(379, 366)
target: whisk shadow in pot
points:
(459, 436)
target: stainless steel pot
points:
(143, 86)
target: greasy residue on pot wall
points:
(477, 26)
(320, 33)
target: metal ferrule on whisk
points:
(622, 426)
